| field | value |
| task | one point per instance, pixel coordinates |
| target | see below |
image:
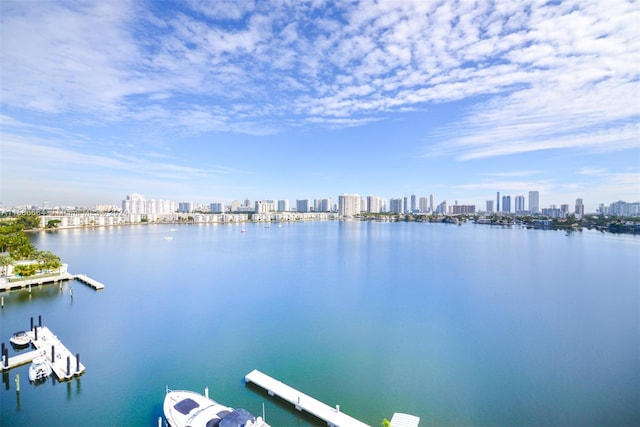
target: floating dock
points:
(303, 402)
(89, 281)
(21, 359)
(63, 363)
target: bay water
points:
(459, 325)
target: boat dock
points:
(303, 402)
(48, 280)
(89, 281)
(20, 359)
(63, 363)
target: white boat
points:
(20, 339)
(39, 369)
(184, 408)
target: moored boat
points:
(20, 339)
(39, 369)
(183, 408)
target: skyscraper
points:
(534, 201)
(579, 207)
(506, 203)
(422, 204)
(431, 202)
(498, 201)
(489, 205)
(396, 205)
(303, 205)
(373, 204)
(348, 204)
(519, 204)
(413, 203)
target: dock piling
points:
(68, 366)
(40, 320)
(18, 383)
(35, 331)
(53, 354)
(31, 323)
(77, 362)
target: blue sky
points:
(219, 100)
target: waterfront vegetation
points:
(17, 250)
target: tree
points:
(47, 260)
(53, 223)
(5, 262)
(28, 221)
(25, 270)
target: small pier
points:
(63, 363)
(303, 402)
(89, 281)
(21, 359)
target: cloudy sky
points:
(220, 100)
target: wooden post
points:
(77, 362)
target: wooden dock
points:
(21, 359)
(303, 402)
(63, 363)
(89, 281)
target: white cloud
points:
(551, 70)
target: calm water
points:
(460, 325)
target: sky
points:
(214, 101)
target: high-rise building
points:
(534, 201)
(498, 202)
(216, 207)
(506, 203)
(283, 205)
(303, 205)
(322, 205)
(431, 202)
(414, 204)
(489, 205)
(136, 204)
(396, 205)
(579, 207)
(519, 202)
(423, 204)
(185, 207)
(349, 204)
(264, 206)
(373, 204)
(463, 209)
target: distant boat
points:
(168, 238)
(20, 339)
(39, 369)
(187, 408)
(173, 230)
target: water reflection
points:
(36, 293)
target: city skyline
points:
(232, 100)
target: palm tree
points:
(5, 262)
